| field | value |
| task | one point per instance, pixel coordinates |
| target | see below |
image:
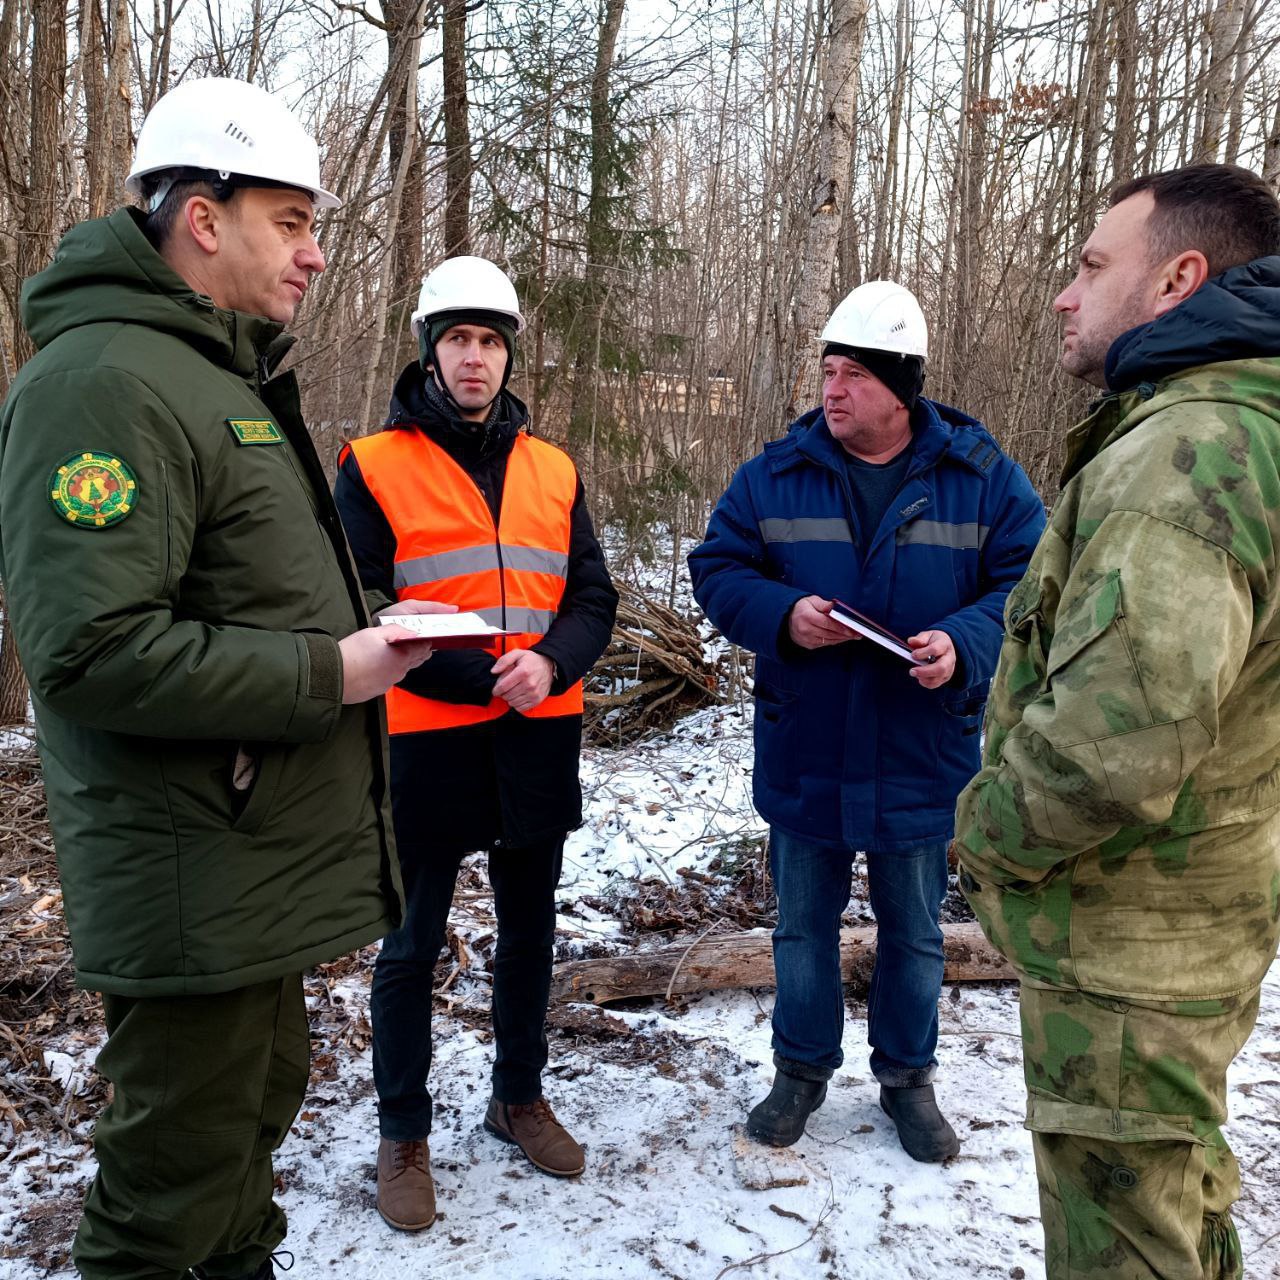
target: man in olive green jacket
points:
(198, 650)
(1122, 843)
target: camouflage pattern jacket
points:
(1123, 836)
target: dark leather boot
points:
(922, 1129)
(798, 1090)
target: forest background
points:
(680, 190)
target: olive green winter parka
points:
(178, 582)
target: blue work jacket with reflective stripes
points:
(849, 749)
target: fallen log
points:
(737, 960)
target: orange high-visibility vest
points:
(449, 549)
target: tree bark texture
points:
(108, 142)
(40, 222)
(1271, 154)
(457, 132)
(600, 233)
(13, 683)
(830, 197)
(40, 227)
(1226, 31)
(404, 23)
(739, 960)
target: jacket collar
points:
(1234, 316)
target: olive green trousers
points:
(205, 1089)
(1126, 1103)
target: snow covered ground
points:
(655, 1093)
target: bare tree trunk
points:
(35, 246)
(544, 242)
(827, 210)
(104, 51)
(48, 90)
(1125, 143)
(1225, 32)
(404, 19)
(884, 223)
(1271, 152)
(119, 57)
(13, 683)
(408, 54)
(457, 133)
(1239, 76)
(599, 230)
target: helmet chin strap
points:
(434, 370)
(444, 390)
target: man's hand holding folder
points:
(816, 622)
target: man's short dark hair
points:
(160, 222)
(1230, 214)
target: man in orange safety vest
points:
(455, 501)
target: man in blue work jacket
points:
(908, 511)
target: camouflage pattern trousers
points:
(1126, 1102)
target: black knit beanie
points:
(903, 375)
(440, 324)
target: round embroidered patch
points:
(93, 490)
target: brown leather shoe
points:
(533, 1128)
(406, 1193)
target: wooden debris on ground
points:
(738, 960)
(761, 1168)
(653, 671)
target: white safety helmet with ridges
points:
(467, 284)
(881, 316)
(229, 129)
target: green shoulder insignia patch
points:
(255, 431)
(93, 490)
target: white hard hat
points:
(228, 128)
(880, 315)
(467, 284)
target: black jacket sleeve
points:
(449, 675)
(583, 625)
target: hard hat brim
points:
(320, 198)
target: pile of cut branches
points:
(41, 1088)
(654, 670)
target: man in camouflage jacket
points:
(1121, 844)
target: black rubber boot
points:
(922, 1129)
(779, 1119)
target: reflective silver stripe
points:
(449, 564)
(937, 533)
(446, 564)
(806, 529)
(535, 560)
(519, 618)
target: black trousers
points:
(206, 1088)
(524, 889)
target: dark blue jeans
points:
(812, 882)
(524, 895)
